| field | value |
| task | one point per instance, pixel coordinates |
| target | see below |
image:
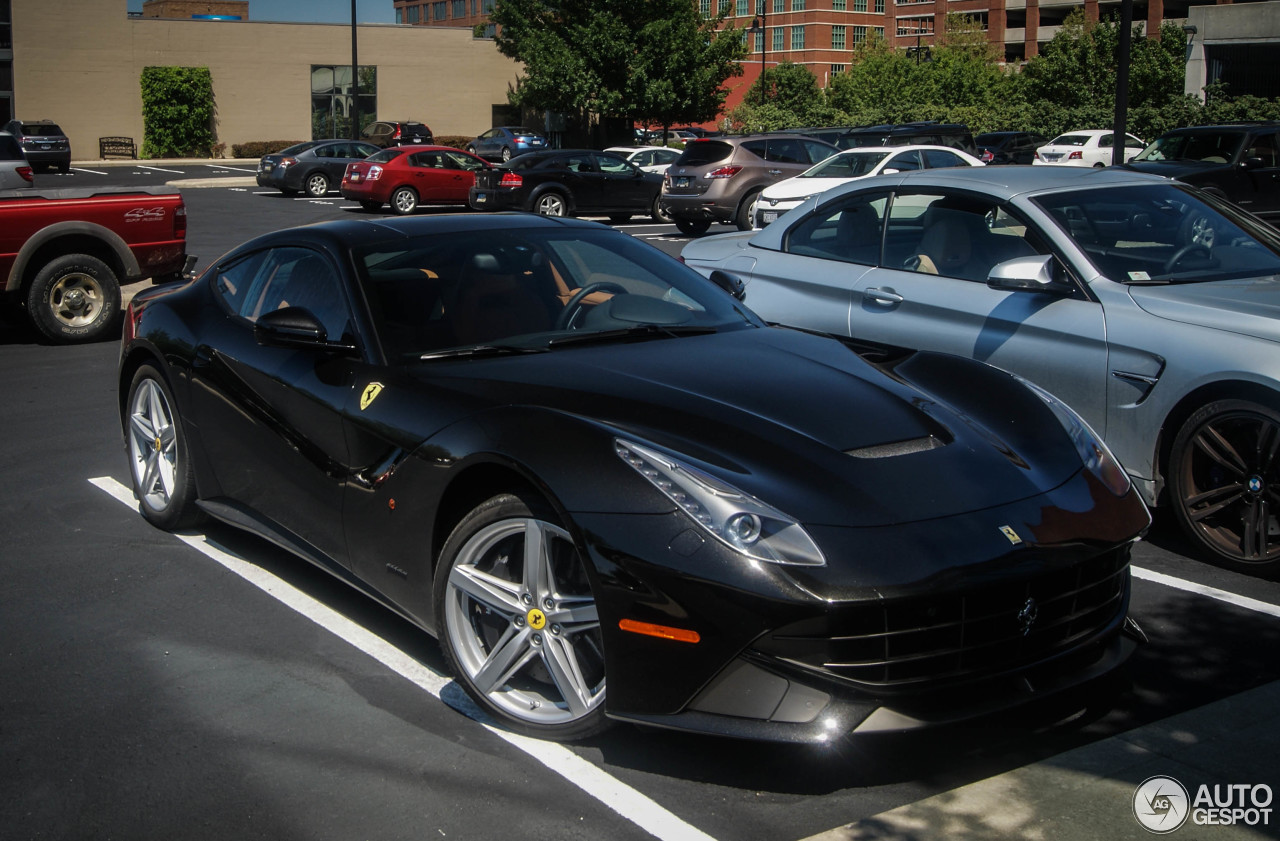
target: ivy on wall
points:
(177, 112)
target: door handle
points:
(881, 296)
(775, 172)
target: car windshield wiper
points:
(472, 351)
(640, 331)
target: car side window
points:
(755, 147)
(613, 164)
(938, 159)
(234, 282)
(432, 160)
(849, 232)
(905, 161)
(784, 151)
(1264, 147)
(298, 277)
(324, 151)
(816, 151)
(458, 160)
(952, 235)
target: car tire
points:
(1099, 165)
(525, 644)
(160, 468)
(742, 218)
(317, 184)
(506, 154)
(74, 298)
(370, 204)
(404, 200)
(618, 218)
(693, 227)
(656, 211)
(1224, 482)
(551, 203)
(63, 169)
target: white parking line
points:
(612, 792)
(230, 168)
(159, 169)
(1203, 590)
(91, 171)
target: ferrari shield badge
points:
(371, 392)
(1008, 532)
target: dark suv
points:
(386, 133)
(1009, 147)
(954, 135)
(717, 179)
(43, 143)
(1238, 161)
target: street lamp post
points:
(355, 79)
(759, 27)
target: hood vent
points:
(898, 448)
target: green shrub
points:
(258, 148)
(457, 141)
(177, 112)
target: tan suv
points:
(717, 179)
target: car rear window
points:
(524, 132)
(41, 130)
(9, 148)
(703, 152)
(417, 128)
(384, 156)
(1071, 140)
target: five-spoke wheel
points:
(160, 468)
(518, 621)
(1225, 482)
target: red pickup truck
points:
(65, 253)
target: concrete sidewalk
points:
(1087, 794)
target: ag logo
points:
(371, 392)
(1160, 804)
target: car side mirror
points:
(1252, 163)
(729, 283)
(1027, 274)
(890, 171)
(294, 327)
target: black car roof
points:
(349, 232)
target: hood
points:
(798, 420)
(799, 188)
(1250, 306)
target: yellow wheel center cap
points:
(158, 444)
(537, 619)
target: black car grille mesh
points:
(953, 636)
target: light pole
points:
(355, 79)
(759, 27)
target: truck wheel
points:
(74, 298)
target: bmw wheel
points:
(160, 467)
(1224, 476)
(404, 201)
(551, 203)
(317, 184)
(518, 622)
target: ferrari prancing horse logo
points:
(371, 392)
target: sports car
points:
(613, 493)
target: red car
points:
(407, 176)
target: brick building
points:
(180, 9)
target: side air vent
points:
(898, 448)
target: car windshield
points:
(703, 152)
(528, 290)
(1164, 233)
(1218, 147)
(845, 165)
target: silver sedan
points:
(1151, 308)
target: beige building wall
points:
(78, 62)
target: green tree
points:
(177, 111)
(655, 61)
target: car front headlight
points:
(733, 517)
(1097, 459)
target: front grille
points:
(954, 636)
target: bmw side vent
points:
(898, 448)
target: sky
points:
(313, 11)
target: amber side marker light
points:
(660, 631)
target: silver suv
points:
(717, 179)
(15, 172)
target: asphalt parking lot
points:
(210, 686)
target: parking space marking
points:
(90, 171)
(223, 168)
(612, 792)
(1203, 590)
(158, 169)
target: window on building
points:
(705, 7)
(837, 37)
(879, 32)
(726, 6)
(859, 35)
(797, 5)
(331, 99)
(878, 8)
(777, 39)
(489, 31)
(837, 69)
(859, 5)
(459, 9)
(399, 15)
(440, 10)
(742, 9)
(486, 6)
(779, 6)
(838, 5)
(797, 37)
(411, 14)
(915, 26)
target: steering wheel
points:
(574, 304)
(1185, 250)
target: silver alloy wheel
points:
(531, 646)
(551, 204)
(76, 299)
(404, 200)
(506, 154)
(317, 184)
(153, 445)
